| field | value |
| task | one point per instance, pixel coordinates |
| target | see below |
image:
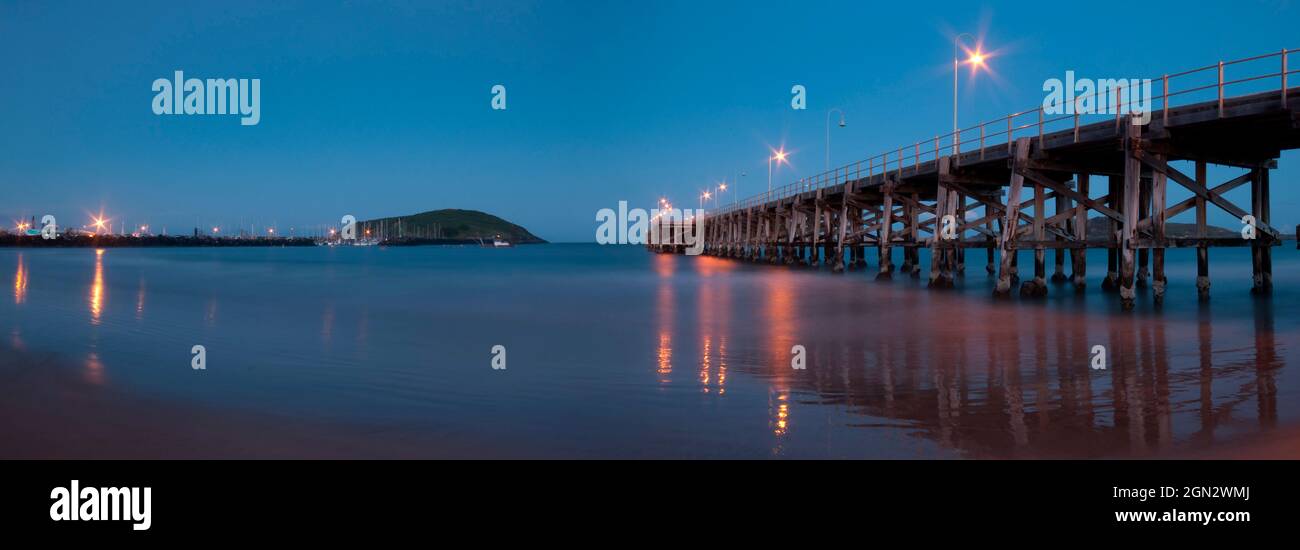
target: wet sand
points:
(50, 413)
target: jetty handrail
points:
(909, 159)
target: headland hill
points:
(437, 227)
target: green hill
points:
(447, 224)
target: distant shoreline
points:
(150, 241)
(202, 241)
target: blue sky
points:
(381, 109)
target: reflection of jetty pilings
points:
(1024, 389)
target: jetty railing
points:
(1179, 88)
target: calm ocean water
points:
(616, 352)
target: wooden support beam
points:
(1201, 191)
(1195, 200)
(991, 239)
(817, 224)
(1114, 201)
(913, 256)
(1159, 186)
(1065, 212)
(1040, 178)
(1038, 286)
(792, 225)
(1012, 219)
(838, 264)
(940, 259)
(1079, 263)
(886, 223)
(959, 267)
(909, 231)
(979, 225)
(1128, 234)
(1202, 252)
(1144, 214)
(1261, 251)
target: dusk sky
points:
(377, 110)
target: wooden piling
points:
(886, 223)
(1062, 206)
(1261, 249)
(1113, 200)
(1144, 213)
(992, 244)
(1128, 237)
(1158, 197)
(1079, 268)
(1203, 250)
(940, 259)
(1038, 286)
(1011, 223)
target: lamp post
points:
(828, 133)
(735, 193)
(779, 157)
(976, 59)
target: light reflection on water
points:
(97, 289)
(20, 281)
(401, 337)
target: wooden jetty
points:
(1030, 180)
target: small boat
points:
(497, 242)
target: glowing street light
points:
(975, 58)
(779, 157)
